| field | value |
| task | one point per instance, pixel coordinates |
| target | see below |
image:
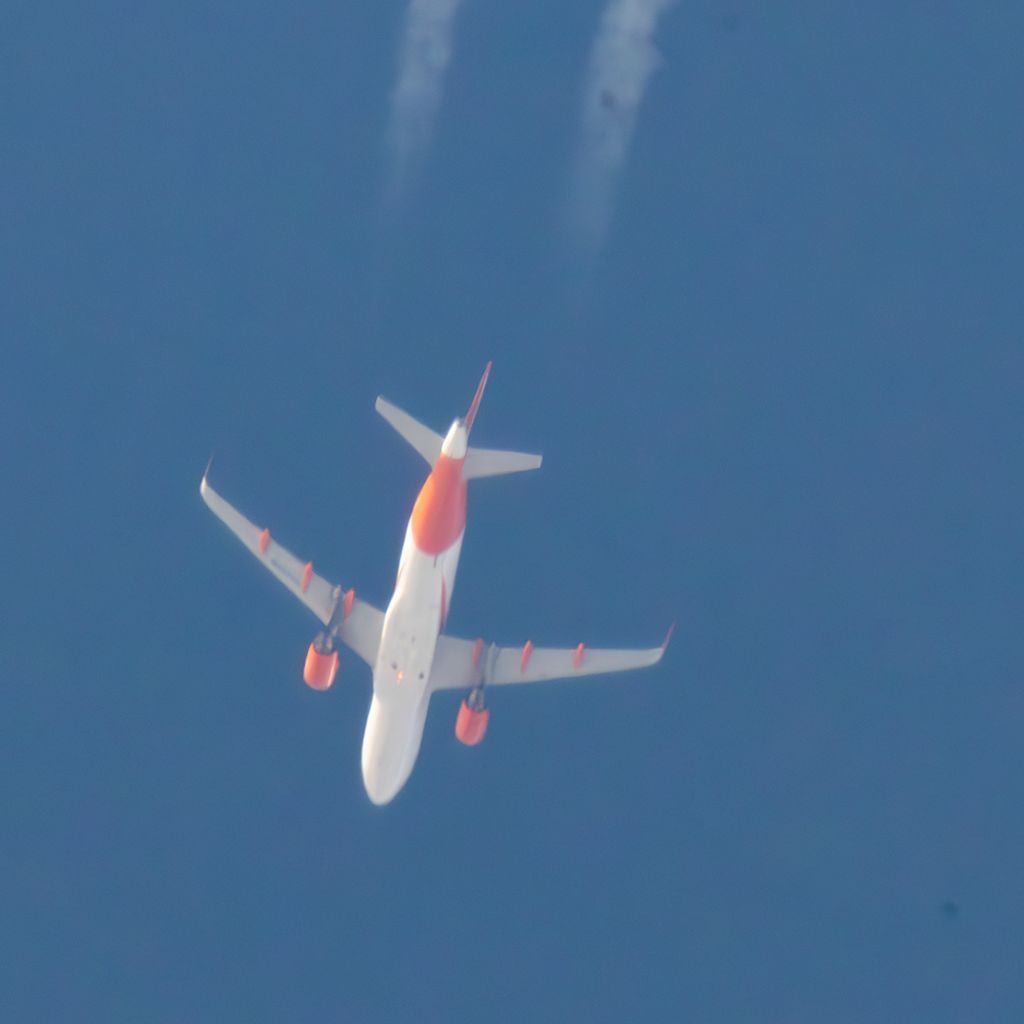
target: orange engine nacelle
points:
(321, 665)
(471, 725)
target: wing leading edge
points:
(356, 622)
(464, 663)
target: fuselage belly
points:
(412, 624)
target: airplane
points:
(405, 645)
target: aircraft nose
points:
(380, 788)
(380, 778)
(390, 745)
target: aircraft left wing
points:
(359, 625)
(459, 664)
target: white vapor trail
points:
(425, 54)
(622, 61)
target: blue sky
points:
(781, 406)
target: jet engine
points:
(471, 725)
(321, 663)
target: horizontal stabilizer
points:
(422, 438)
(491, 462)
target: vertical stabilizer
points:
(475, 404)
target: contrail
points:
(621, 63)
(425, 53)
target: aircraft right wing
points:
(459, 664)
(356, 622)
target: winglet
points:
(206, 473)
(668, 636)
(475, 404)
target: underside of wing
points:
(356, 622)
(464, 663)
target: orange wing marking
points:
(527, 651)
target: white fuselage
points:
(412, 624)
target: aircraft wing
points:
(360, 628)
(459, 664)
